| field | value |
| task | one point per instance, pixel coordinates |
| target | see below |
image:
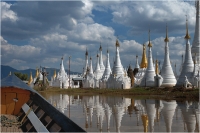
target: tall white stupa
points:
(188, 65)
(119, 78)
(88, 81)
(86, 63)
(167, 73)
(97, 73)
(106, 73)
(102, 67)
(148, 79)
(196, 41)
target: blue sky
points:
(35, 33)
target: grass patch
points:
(164, 93)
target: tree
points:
(21, 75)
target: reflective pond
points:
(123, 114)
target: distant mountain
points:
(5, 70)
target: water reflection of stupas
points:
(168, 111)
(188, 110)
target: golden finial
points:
(150, 44)
(145, 122)
(54, 76)
(166, 38)
(187, 36)
(117, 43)
(30, 79)
(157, 70)
(144, 62)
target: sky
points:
(35, 33)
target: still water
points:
(123, 114)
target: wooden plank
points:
(34, 119)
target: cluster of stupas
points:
(104, 77)
(62, 80)
(148, 74)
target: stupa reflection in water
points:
(120, 114)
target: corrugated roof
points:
(14, 81)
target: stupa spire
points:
(187, 36)
(157, 68)
(107, 69)
(188, 65)
(169, 80)
(136, 64)
(62, 66)
(91, 68)
(86, 62)
(148, 79)
(117, 68)
(102, 67)
(143, 63)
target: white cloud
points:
(6, 13)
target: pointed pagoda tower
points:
(97, 73)
(117, 68)
(102, 67)
(148, 79)
(62, 76)
(196, 42)
(86, 63)
(107, 71)
(144, 62)
(188, 65)
(91, 74)
(169, 80)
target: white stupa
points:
(148, 79)
(142, 68)
(196, 42)
(169, 80)
(61, 79)
(102, 67)
(106, 73)
(188, 65)
(168, 111)
(97, 73)
(88, 81)
(119, 78)
(86, 63)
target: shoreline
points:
(156, 93)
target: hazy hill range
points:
(5, 70)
